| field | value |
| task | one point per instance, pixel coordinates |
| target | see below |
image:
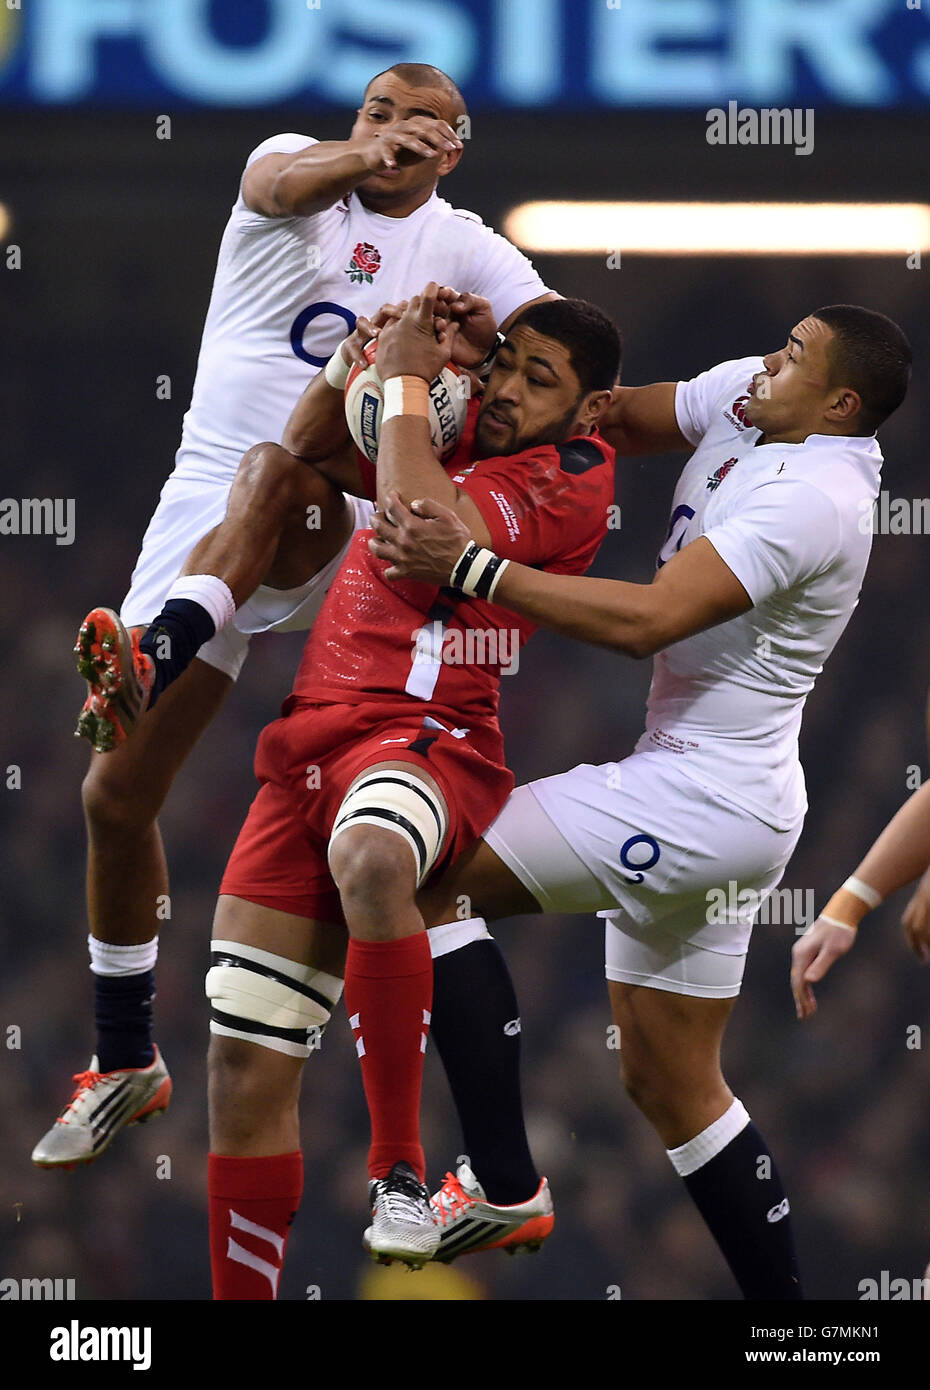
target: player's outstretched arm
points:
(298, 185)
(693, 591)
(899, 855)
(642, 420)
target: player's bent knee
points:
(272, 471)
(116, 803)
(262, 998)
(367, 865)
(659, 1084)
(401, 804)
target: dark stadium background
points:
(119, 234)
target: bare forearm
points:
(407, 464)
(902, 851)
(641, 420)
(693, 591)
(317, 428)
(317, 179)
(607, 612)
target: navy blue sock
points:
(475, 1027)
(740, 1196)
(123, 1012)
(174, 639)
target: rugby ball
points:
(364, 402)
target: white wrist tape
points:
(835, 922)
(862, 890)
(477, 572)
(337, 369)
(405, 395)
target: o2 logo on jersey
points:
(677, 530)
(303, 322)
(639, 853)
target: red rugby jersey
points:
(380, 640)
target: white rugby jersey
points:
(288, 290)
(792, 521)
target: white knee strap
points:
(400, 801)
(267, 999)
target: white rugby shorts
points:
(665, 860)
(186, 511)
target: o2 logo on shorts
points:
(639, 853)
(675, 538)
(303, 322)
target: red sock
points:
(252, 1204)
(389, 994)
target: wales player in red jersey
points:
(386, 764)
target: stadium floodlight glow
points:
(721, 229)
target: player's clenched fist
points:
(404, 142)
(477, 325)
(822, 944)
(417, 343)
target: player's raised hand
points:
(416, 344)
(421, 542)
(404, 142)
(353, 347)
(477, 325)
(916, 920)
(821, 945)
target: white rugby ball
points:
(364, 399)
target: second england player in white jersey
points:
(320, 233)
(757, 578)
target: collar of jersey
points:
(859, 443)
(386, 222)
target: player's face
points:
(794, 391)
(387, 101)
(533, 396)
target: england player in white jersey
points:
(320, 233)
(758, 576)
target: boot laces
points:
(402, 1198)
(86, 1081)
(452, 1200)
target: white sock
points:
(107, 959)
(452, 936)
(688, 1158)
(211, 593)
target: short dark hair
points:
(425, 75)
(592, 338)
(871, 354)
